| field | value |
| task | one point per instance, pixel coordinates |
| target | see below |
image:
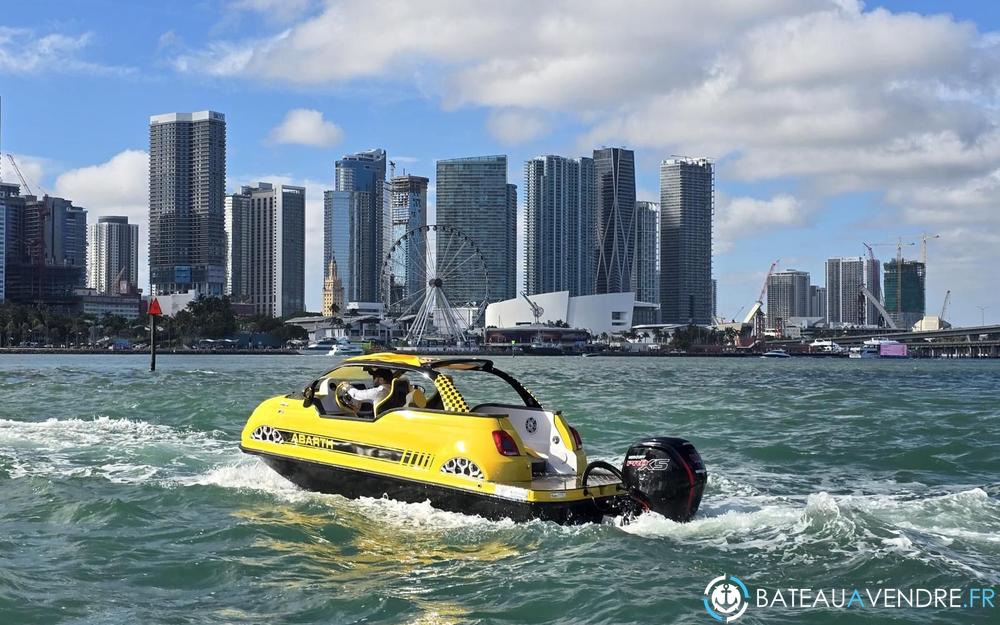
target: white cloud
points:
(23, 51)
(282, 10)
(119, 186)
(741, 217)
(306, 127)
(513, 127)
(822, 93)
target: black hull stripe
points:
(354, 483)
(344, 446)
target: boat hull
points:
(353, 483)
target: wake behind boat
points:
(422, 441)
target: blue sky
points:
(832, 122)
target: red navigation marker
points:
(154, 308)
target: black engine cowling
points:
(667, 474)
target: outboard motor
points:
(667, 475)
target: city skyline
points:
(780, 191)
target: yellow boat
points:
(506, 457)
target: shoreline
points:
(83, 351)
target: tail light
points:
(577, 441)
(505, 443)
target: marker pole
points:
(152, 342)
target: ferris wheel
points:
(435, 278)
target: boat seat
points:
(416, 398)
(324, 400)
(398, 392)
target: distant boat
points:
(776, 353)
(824, 346)
(345, 348)
(864, 351)
(320, 347)
(883, 348)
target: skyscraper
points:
(337, 240)
(45, 243)
(409, 211)
(187, 178)
(845, 302)
(112, 251)
(473, 196)
(560, 227)
(645, 261)
(7, 191)
(905, 292)
(363, 176)
(687, 191)
(614, 174)
(268, 253)
(787, 296)
(817, 301)
(11, 206)
(236, 206)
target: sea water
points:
(124, 498)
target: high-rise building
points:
(268, 253)
(873, 282)
(511, 232)
(787, 296)
(687, 191)
(45, 243)
(362, 175)
(473, 196)
(333, 291)
(337, 237)
(845, 301)
(614, 180)
(905, 292)
(645, 270)
(235, 205)
(409, 211)
(817, 301)
(559, 225)
(715, 297)
(187, 189)
(113, 256)
(11, 205)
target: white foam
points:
(116, 449)
(852, 523)
(250, 473)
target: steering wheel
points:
(343, 399)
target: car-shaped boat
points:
(507, 457)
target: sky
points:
(831, 122)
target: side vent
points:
(462, 466)
(268, 434)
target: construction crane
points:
(20, 176)
(755, 315)
(536, 310)
(944, 306)
(923, 246)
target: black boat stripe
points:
(344, 446)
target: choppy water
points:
(124, 498)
